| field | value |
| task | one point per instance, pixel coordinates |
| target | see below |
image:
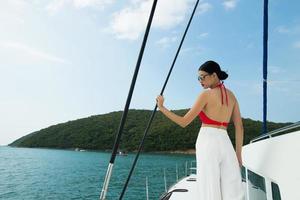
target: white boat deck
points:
(189, 184)
(270, 161)
(277, 160)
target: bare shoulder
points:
(232, 95)
(205, 93)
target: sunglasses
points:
(201, 78)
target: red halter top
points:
(206, 120)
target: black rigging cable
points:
(154, 111)
(124, 115)
(265, 65)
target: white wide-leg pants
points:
(218, 171)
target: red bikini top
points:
(206, 120)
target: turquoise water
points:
(27, 173)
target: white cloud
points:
(166, 41)
(256, 88)
(91, 3)
(57, 5)
(297, 45)
(17, 3)
(284, 87)
(292, 30)
(203, 35)
(31, 52)
(276, 70)
(130, 22)
(12, 12)
(283, 29)
(193, 50)
(288, 30)
(229, 4)
(169, 16)
(203, 8)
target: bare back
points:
(214, 108)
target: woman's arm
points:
(189, 116)
(239, 131)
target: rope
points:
(154, 111)
(124, 115)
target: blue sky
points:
(62, 60)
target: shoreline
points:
(186, 152)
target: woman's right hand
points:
(160, 101)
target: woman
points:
(218, 172)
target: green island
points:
(98, 133)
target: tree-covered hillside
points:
(98, 133)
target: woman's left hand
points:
(160, 101)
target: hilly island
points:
(98, 133)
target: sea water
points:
(34, 173)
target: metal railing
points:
(193, 167)
(277, 131)
(188, 171)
